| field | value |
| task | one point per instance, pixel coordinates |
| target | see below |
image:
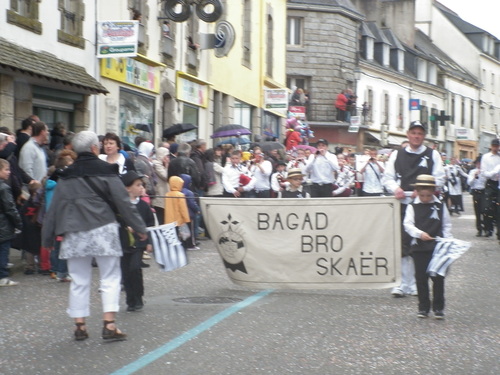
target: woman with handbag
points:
(80, 214)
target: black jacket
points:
(184, 165)
(9, 216)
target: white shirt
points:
(372, 177)
(321, 168)
(476, 182)
(488, 163)
(262, 174)
(231, 178)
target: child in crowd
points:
(176, 209)
(425, 219)
(132, 255)
(294, 188)
(193, 210)
(9, 222)
(64, 159)
(278, 179)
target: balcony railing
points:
(167, 46)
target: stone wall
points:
(327, 57)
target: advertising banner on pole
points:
(276, 99)
(317, 243)
(117, 38)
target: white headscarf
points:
(146, 149)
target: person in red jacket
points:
(341, 105)
(293, 138)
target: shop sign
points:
(132, 72)
(117, 38)
(192, 91)
(414, 104)
(298, 111)
(462, 133)
(276, 98)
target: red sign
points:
(298, 111)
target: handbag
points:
(184, 232)
(127, 239)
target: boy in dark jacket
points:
(132, 254)
(9, 221)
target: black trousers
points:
(321, 190)
(477, 200)
(132, 277)
(422, 260)
(490, 205)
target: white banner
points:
(332, 243)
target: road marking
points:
(188, 335)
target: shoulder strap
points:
(100, 193)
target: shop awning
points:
(47, 66)
(376, 136)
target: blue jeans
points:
(4, 259)
(59, 266)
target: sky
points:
(481, 13)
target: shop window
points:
(190, 114)
(136, 116)
(72, 16)
(24, 13)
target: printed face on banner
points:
(307, 243)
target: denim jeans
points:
(59, 266)
(4, 259)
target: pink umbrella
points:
(307, 147)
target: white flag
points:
(168, 250)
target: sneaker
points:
(7, 282)
(413, 293)
(396, 292)
(10, 265)
(146, 256)
(193, 248)
(439, 314)
(422, 314)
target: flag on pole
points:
(447, 250)
(168, 250)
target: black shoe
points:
(29, 272)
(422, 314)
(44, 272)
(130, 308)
(479, 233)
(144, 265)
(489, 233)
(139, 307)
(439, 314)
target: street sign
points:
(355, 123)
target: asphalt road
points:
(197, 322)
